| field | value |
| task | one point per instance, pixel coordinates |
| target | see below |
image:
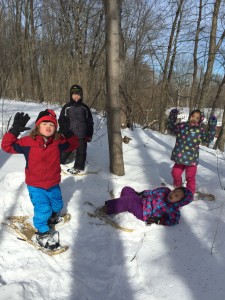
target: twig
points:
(139, 247)
(217, 228)
(222, 187)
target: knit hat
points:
(76, 89)
(47, 115)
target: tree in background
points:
(170, 54)
(167, 71)
(214, 45)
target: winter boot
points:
(48, 240)
(74, 171)
(54, 219)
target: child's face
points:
(76, 97)
(175, 195)
(47, 129)
(195, 118)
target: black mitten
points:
(154, 220)
(19, 123)
(174, 111)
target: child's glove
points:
(88, 139)
(154, 220)
(174, 111)
(213, 118)
(19, 123)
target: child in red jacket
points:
(42, 150)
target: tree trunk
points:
(221, 138)
(213, 48)
(112, 13)
(195, 61)
(163, 96)
(37, 88)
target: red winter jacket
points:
(42, 158)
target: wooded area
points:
(171, 54)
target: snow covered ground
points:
(186, 261)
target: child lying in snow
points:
(159, 206)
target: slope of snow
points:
(185, 262)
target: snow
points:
(154, 262)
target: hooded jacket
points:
(42, 168)
(155, 204)
(188, 138)
(76, 116)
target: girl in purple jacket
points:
(159, 206)
(189, 136)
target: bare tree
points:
(195, 60)
(51, 44)
(221, 137)
(164, 85)
(214, 46)
(141, 24)
(112, 15)
(35, 76)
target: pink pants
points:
(190, 171)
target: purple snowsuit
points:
(153, 203)
(128, 201)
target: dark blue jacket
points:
(76, 117)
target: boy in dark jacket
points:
(160, 206)
(189, 135)
(76, 116)
(41, 150)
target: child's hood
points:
(188, 198)
(198, 111)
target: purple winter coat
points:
(155, 204)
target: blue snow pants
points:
(45, 202)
